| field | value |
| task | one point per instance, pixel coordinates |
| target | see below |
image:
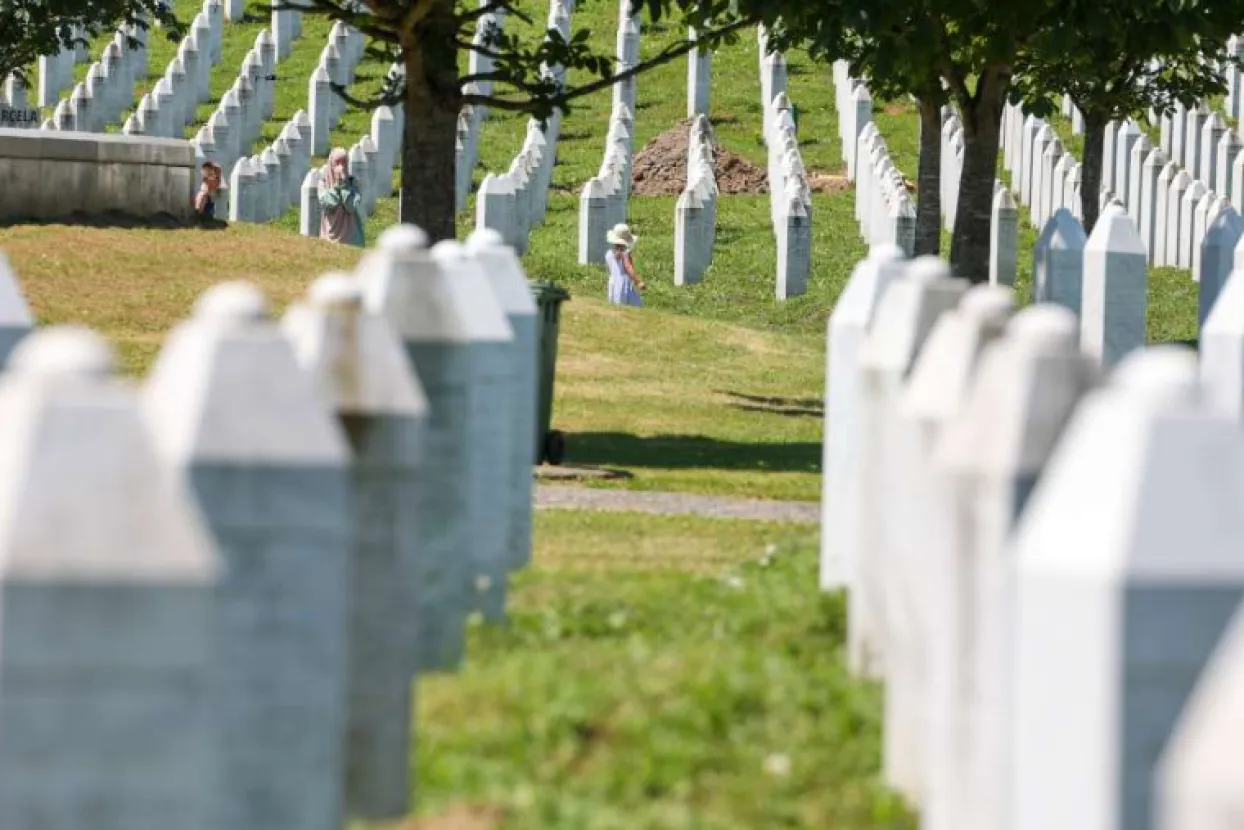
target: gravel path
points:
(676, 504)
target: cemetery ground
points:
(656, 671)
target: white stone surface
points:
(107, 599)
(1113, 313)
(504, 273)
(1058, 262)
(236, 417)
(444, 320)
(1198, 780)
(362, 375)
(988, 459)
(1129, 570)
(848, 326)
(1222, 347)
(941, 377)
(903, 319)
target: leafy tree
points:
(30, 28)
(972, 46)
(426, 37)
(895, 61)
(1117, 59)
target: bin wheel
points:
(555, 447)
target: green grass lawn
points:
(657, 672)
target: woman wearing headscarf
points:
(341, 202)
(624, 281)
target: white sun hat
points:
(621, 235)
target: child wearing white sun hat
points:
(624, 282)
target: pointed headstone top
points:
(354, 358)
(226, 388)
(1063, 232)
(434, 296)
(1046, 325)
(503, 270)
(83, 496)
(1115, 233)
(1165, 375)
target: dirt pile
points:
(660, 168)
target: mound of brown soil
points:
(660, 168)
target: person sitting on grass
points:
(624, 282)
(342, 203)
(205, 199)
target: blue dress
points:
(621, 290)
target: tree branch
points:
(384, 99)
(665, 56)
(489, 8)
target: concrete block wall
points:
(1044, 578)
(389, 454)
(51, 174)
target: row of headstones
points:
(1044, 176)
(1035, 562)
(854, 104)
(1171, 208)
(604, 199)
(790, 202)
(1064, 256)
(695, 214)
(773, 79)
(515, 202)
(372, 161)
(883, 209)
(108, 91)
(472, 116)
(253, 558)
(338, 63)
(265, 185)
(55, 71)
(231, 131)
(1235, 82)
(790, 196)
(239, 116)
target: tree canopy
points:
(30, 28)
(896, 61)
(1119, 59)
(426, 37)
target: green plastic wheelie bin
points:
(550, 444)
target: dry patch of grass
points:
(668, 396)
(133, 285)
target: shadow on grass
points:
(116, 219)
(684, 452)
(790, 407)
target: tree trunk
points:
(928, 181)
(1090, 169)
(430, 123)
(982, 126)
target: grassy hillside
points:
(684, 404)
